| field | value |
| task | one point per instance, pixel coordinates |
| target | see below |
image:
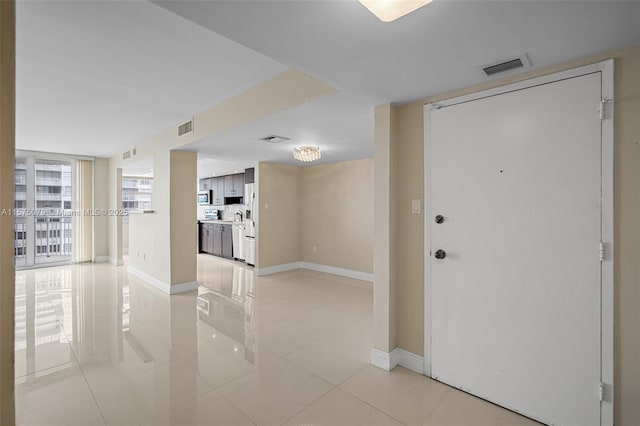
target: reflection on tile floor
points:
(95, 346)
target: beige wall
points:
(336, 205)
(7, 156)
(182, 193)
(100, 201)
(410, 264)
(168, 256)
(142, 251)
(385, 220)
(278, 230)
(286, 90)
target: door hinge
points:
(603, 108)
(601, 252)
(601, 391)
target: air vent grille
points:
(274, 139)
(126, 155)
(185, 128)
(504, 66)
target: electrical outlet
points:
(315, 249)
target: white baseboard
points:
(278, 268)
(349, 273)
(382, 359)
(388, 360)
(113, 261)
(363, 276)
(183, 287)
(100, 259)
(410, 361)
(161, 285)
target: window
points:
(49, 183)
(136, 192)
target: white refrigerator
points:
(250, 224)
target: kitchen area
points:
(226, 216)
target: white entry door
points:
(516, 299)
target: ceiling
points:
(95, 77)
(435, 49)
(342, 125)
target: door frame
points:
(606, 68)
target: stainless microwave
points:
(204, 197)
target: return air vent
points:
(274, 139)
(504, 66)
(185, 128)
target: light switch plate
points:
(416, 206)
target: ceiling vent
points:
(126, 155)
(507, 65)
(185, 128)
(274, 139)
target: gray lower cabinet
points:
(227, 242)
(216, 239)
(206, 238)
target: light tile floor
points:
(96, 346)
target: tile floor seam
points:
(176, 407)
(359, 399)
(332, 386)
(237, 408)
(372, 406)
(438, 404)
(359, 370)
(162, 413)
(36, 371)
(320, 337)
(91, 389)
(310, 404)
(93, 396)
(216, 387)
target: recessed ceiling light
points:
(390, 10)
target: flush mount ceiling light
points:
(390, 10)
(306, 153)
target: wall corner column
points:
(384, 264)
(7, 158)
(183, 178)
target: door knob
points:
(439, 218)
(440, 254)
